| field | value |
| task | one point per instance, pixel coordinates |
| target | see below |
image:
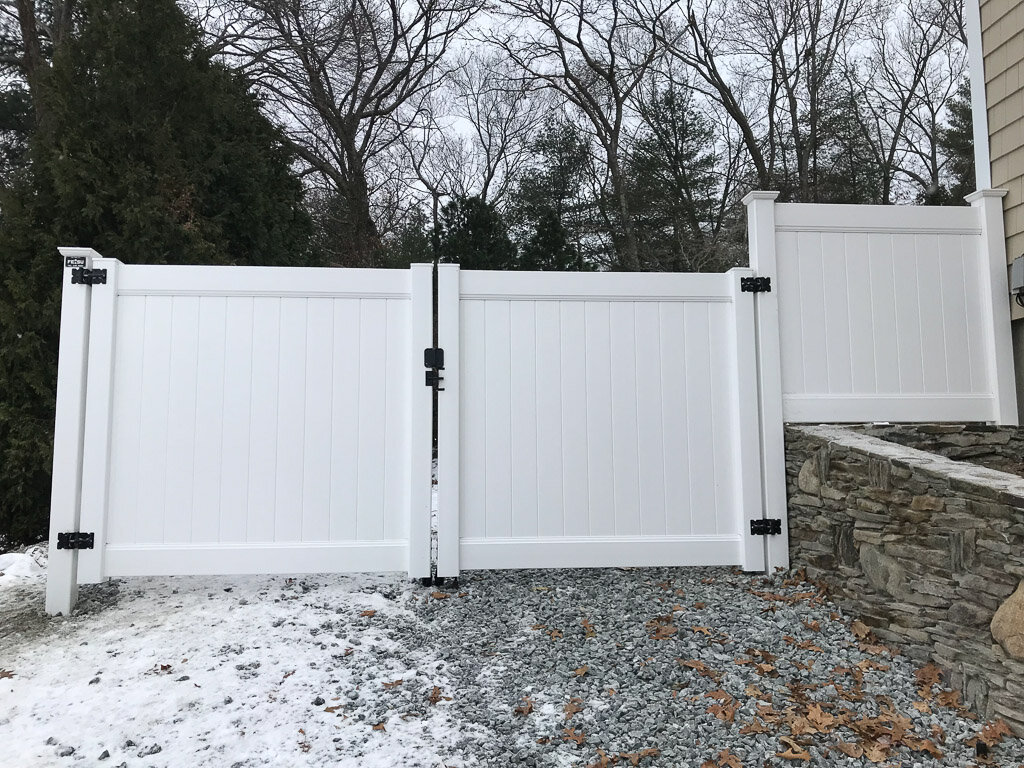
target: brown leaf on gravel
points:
(814, 626)
(921, 706)
(556, 634)
(393, 684)
(794, 751)
(820, 719)
(699, 606)
(927, 676)
(850, 749)
(574, 706)
(380, 726)
(368, 614)
(860, 629)
(440, 595)
(938, 733)
(727, 759)
(725, 708)
(701, 630)
(634, 758)
(755, 692)
(866, 664)
(525, 708)
(435, 696)
(991, 734)
(588, 628)
(875, 751)
(332, 710)
(922, 745)
(702, 668)
(755, 726)
(571, 734)
(6, 674)
(581, 671)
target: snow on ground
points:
(656, 667)
(179, 673)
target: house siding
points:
(1002, 37)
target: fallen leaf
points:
(588, 628)
(794, 751)
(850, 749)
(992, 733)
(755, 726)
(860, 629)
(698, 606)
(539, 626)
(571, 734)
(5, 674)
(572, 707)
(393, 684)
(701, 630)
(876, 752)
(435, 696)
(526, 707)
(368, 614)
(727, 759)
(380, 726)
(814, 626)
(556, 634)
(921, 706)
(332, 710)
(440, 595)
(581, 671)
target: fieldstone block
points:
(927, 504)
(1008, 624)
(808, 480)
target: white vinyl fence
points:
(258, 420)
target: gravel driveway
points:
(649, 667)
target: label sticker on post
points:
(74, 262)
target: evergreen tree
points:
(149, 152)
(673, 183)
(956, 141)
(474, 235)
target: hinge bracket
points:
(433, 360)
(75, 540)
(83, 276)
(755, 285)
(769, 526)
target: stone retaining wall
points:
(922, 548)
(990, 446)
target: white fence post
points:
(761, 240)
(420, 424)
(448, 449)
(747, 454)
(996, 302)
(69, 424)
(99, 398)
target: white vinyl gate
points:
(257, 420)
(597, 419)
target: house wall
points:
(1002, 38)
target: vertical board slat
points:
(236, 443)
(908, 312)
(181, 419)
(601, 490)
(975, 316)
(812, 308)
(152, 456)
(497, 426)
(522, 322)
(396, 439)
(291, 395)
(316, 447)
(345, 420)
(373, 351)
(549, 420)
(209, 420)
(473, 425)
(883, 314)
(573, 362)
(624, 420)
(650, 423)
(701, 431)
(932, 327)
(264, 419)
(857, 277)
(954, 314)
(788, 288)
(674, 340)
(724, 426)
(835, 303)
(122, 519)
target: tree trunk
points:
(629, 252)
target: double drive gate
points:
(257, 420)
(276, 420)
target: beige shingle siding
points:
(1002, 36)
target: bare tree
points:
(339, 74)
(595, 53)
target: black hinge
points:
(83, 276)
(755, 284)
(770, 526)
(75, 540)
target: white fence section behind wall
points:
(889, 313)
(597, 420)
(256, 420)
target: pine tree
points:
(956, 141)
(148, 152)
(474, 235)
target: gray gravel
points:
(605, 667)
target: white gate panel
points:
(261, 420)
(599, 421)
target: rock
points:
(51, 741)
(808, 478)
(103, 755)
(65, 751)
(971, 614)
(318, 701)
(884, 573)
(927, 504)
(147, 751)
(1008, 624)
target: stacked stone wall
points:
(924, 549)
(990, 446)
